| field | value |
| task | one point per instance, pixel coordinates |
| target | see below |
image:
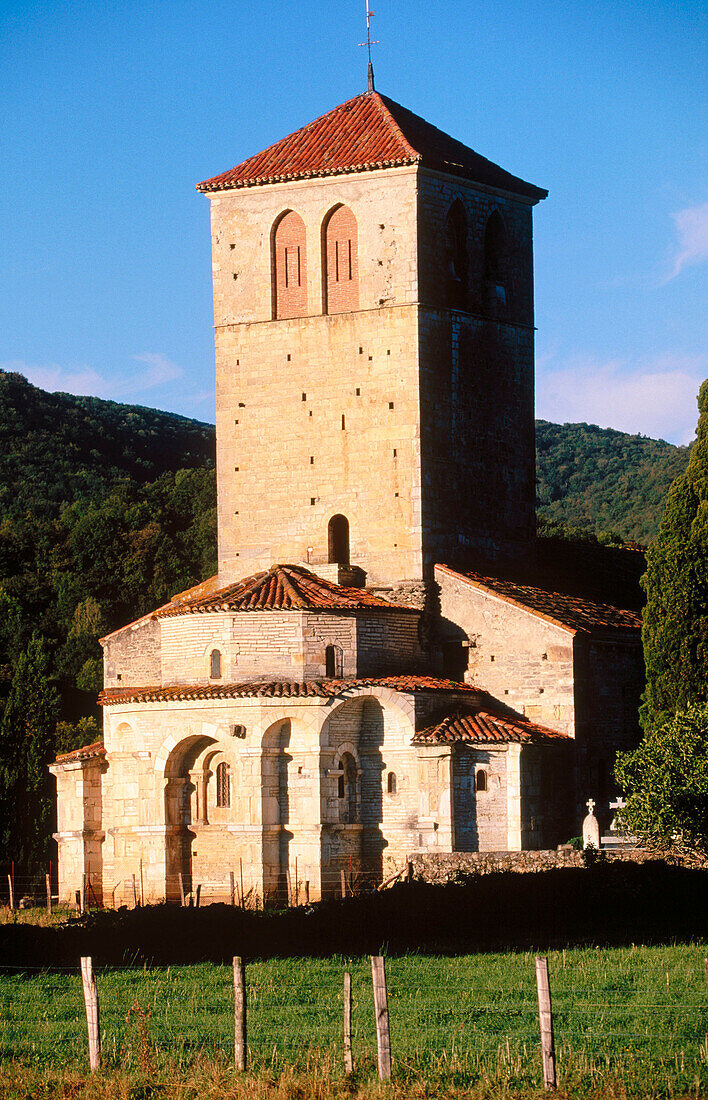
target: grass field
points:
(628, 1022)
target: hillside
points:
(56, 449)
(604, 480)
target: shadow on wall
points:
(608, 904)
(351, 769)
(276, 761)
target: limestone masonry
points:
(396, 688)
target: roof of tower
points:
(280, 588)
(367, 132)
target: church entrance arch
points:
(186, 792)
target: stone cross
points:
(618, 805)
(591, 827)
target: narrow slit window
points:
(215, 664)
(223, 785)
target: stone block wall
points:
(480, 816)
(316, 417)
(520, 658)
(384, 206)
(436, 195)
(131, 656)
(610, 684)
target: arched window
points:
(289, 266)
(338, 540)
(215, 664)
(346, 789)
(495, 296)
(392, 783)
(223, 785)
(340, 261)
(456, 256)
(480, 780)
(333, 661)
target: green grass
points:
(633, 1021)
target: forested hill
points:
(55, 448)
(604, 480)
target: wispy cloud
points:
(125, 384)
(656, 397)
(691, 238)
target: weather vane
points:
(369, 43)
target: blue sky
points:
(113, 111)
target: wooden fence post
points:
(545, 1016)
(181, 889)
(307, 891)
(239, 1012)
(383, 1038)
(232, 888)
(11, 888)
(348, 1062)
(297, 887)
(135, 894)
(243, 896)
(91, 1000)
(82, 895)
(48, 884)
(197, 895)
(289, 886)
(142, 891)
(343, 883)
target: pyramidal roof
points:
(367, 132)
(280, 588)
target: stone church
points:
(376, 669)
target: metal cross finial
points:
(590, 805)
(369, 43)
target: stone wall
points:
(131, 656)
(517, 656)
(477, 373)
(439, 867)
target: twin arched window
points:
(495, 274)
(340, 264)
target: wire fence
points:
(440, 1021)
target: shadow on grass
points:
(606, 905)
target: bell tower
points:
(373, 301)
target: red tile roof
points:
(323, 689)
(84, 753)
(367, 132)
(481, 726)
(571, 612)
(280, 588)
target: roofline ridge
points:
(384, 110)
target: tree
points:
(26, 748)
(665, 781)
(675, 631)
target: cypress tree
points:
(26, 748)
(675, 631)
